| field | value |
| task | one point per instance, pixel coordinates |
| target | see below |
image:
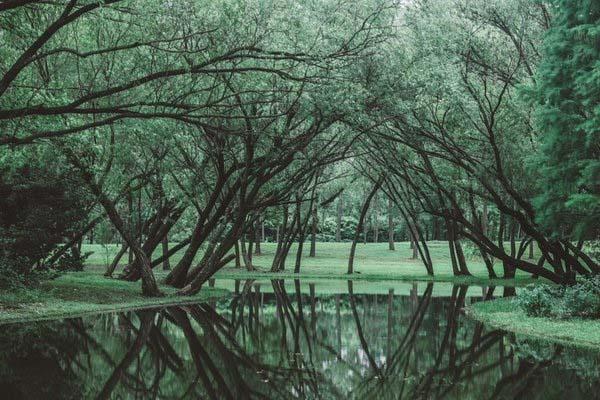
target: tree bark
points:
(338, 225)
(113, 265)
(165, 250)
(391, 245)
(257, 237)
(313, 233)
(375, 222)
(414, 238)
(361, 221)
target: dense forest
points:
(206, 128)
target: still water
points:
(289, 340)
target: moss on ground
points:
(506, 314)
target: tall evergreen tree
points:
(568, 92)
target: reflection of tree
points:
(146, 321)
(38, 361)
(290, 344)
(359, 331)
(464, 354)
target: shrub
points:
(39, 209)
(538, 301)
(580, 300)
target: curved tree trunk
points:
(361, 221)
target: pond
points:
(290, 339)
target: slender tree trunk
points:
(484, 220)
(375, 222)
(278, 264)
(391, 245)
(313, 233)
(338, 226)
(131, 223)
(301, 239)
(257, 237)
(365, 229)
(451, 248)
(531, 244)
(361, 221)
(246, 254)
(113, 265)
(414, 238)
(165, 250)
(238, 264)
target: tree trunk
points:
(361, 221)
(375, 222)
(313, 234)
(165, 250)
(113, 265)
(178, 274)
(414, 238)
(246, 254)
(238, 264)
(257, 237)
(531, 244)
(484, 220)
(391, 245)
(338, 225)
(365, 229)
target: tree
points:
(568, 93)
(41, 206)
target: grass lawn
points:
(77, 294)
(379, 269)
(373, 261)
(506, 314)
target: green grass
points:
(78, 294)
(373, 262)
(378, 269)
(506, 314)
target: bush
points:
(580, 300)
(39, 209)
(538, 301)
(72, 260)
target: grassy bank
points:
(78, 294)
(506, 314)
(373, 262)
(75, 294)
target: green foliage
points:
(568, 93)
(538, 300)
(580, 300)
(72, 260)
(39, 208)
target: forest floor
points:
(373, 261)
(506, 314)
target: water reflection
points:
(278, 340)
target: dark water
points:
(277, 340)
